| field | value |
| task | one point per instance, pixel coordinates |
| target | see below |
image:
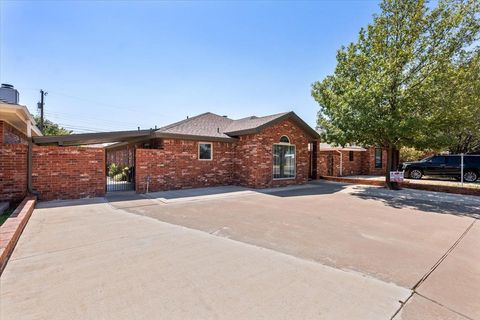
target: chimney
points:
(9, 94)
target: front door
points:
(330, 164)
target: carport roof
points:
(348, 147)
(94, 138)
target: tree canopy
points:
(51, 128)
(386, 87)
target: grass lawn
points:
(5, 215)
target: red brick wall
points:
(68, 172)
(247, 162)
(328, 164)
(368, 166)
(176, 166)
(10, 135)
(13, 172)
(354, 167)
(253, 161)
(2, 126)
(363, 163)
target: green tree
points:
(378, 93)
(51, 128)
(457, 94)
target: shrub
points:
(117, 173)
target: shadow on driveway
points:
(435, 202)
(311, 189)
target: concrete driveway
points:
(321, 251)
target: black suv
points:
(444, 165)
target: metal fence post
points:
(461, 168)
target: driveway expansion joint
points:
(435, 266)
(444, 256)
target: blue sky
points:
(118, 65)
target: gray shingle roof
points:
(251, 123)
(210, 125)
(204, 125)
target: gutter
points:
(29, 160)
(341, 162)
(29, 169)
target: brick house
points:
(201, 151)
(212, 150)
(16, 126)
(350, 160)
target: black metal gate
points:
(120, 169)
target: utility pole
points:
(41, 105)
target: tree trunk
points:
(392, 165)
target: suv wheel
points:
(470, 176)
(415, 174)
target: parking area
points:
(320, 251)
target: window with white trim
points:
(205, 151)
(283, 159)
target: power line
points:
(86, 118)
(103, 103)
(89, 122)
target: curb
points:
(12, 228)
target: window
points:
(350, 155)
(204, 151)
(437, 160)
(453, 160)
(378, 157)
(284, 139)
(283, 161)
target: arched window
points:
(284, 159)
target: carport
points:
(123, 143)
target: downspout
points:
(341, 162)
(29, 162)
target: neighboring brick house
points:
(16, 125)
(350, 160)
